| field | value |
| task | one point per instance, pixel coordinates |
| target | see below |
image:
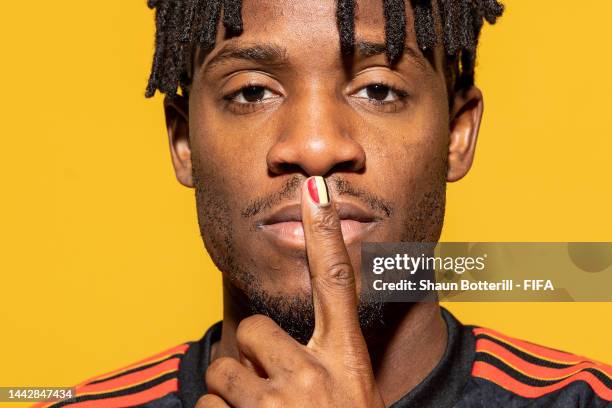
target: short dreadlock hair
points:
(184, 25)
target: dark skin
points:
(272, 107)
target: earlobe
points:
(466, 116)
(177, 124)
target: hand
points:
(333, 369)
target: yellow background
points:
(100, 255)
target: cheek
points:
(407, 162)
(410, 151)
(228, 156)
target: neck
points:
(402, 355)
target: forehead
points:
(305, 15)
(310, 25)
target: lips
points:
(283, 227)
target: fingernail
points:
(318, 191)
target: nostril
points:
(284, 168)
(349, 166)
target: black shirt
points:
(479, 368)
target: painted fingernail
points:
(318, 191)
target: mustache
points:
(340, 186)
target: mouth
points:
(283, 227)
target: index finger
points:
(332, 277)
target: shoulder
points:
(517, 368)
(142, 383)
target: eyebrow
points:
(265, 54)
(275, 55)
(366, 49)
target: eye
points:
(380, 93)
(251, 94)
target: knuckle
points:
(251, 325)
(220, 371)
(209, 401)
(311, 377)
(270, 399)
(340, 275)
(220, 365)
(326, 223)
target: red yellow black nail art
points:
(318, 191)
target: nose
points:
(316, 139)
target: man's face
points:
(277, 104)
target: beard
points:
(295, 313)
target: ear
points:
(466, 115)
(177, 124)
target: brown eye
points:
(253, 93)
(378, 92)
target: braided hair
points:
(182, 25)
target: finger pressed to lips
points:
(331, 272)
(283, 227)
(290, 234)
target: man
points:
(306, 128)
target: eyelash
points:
(247, 107)
(395, 105)
(400, 102)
